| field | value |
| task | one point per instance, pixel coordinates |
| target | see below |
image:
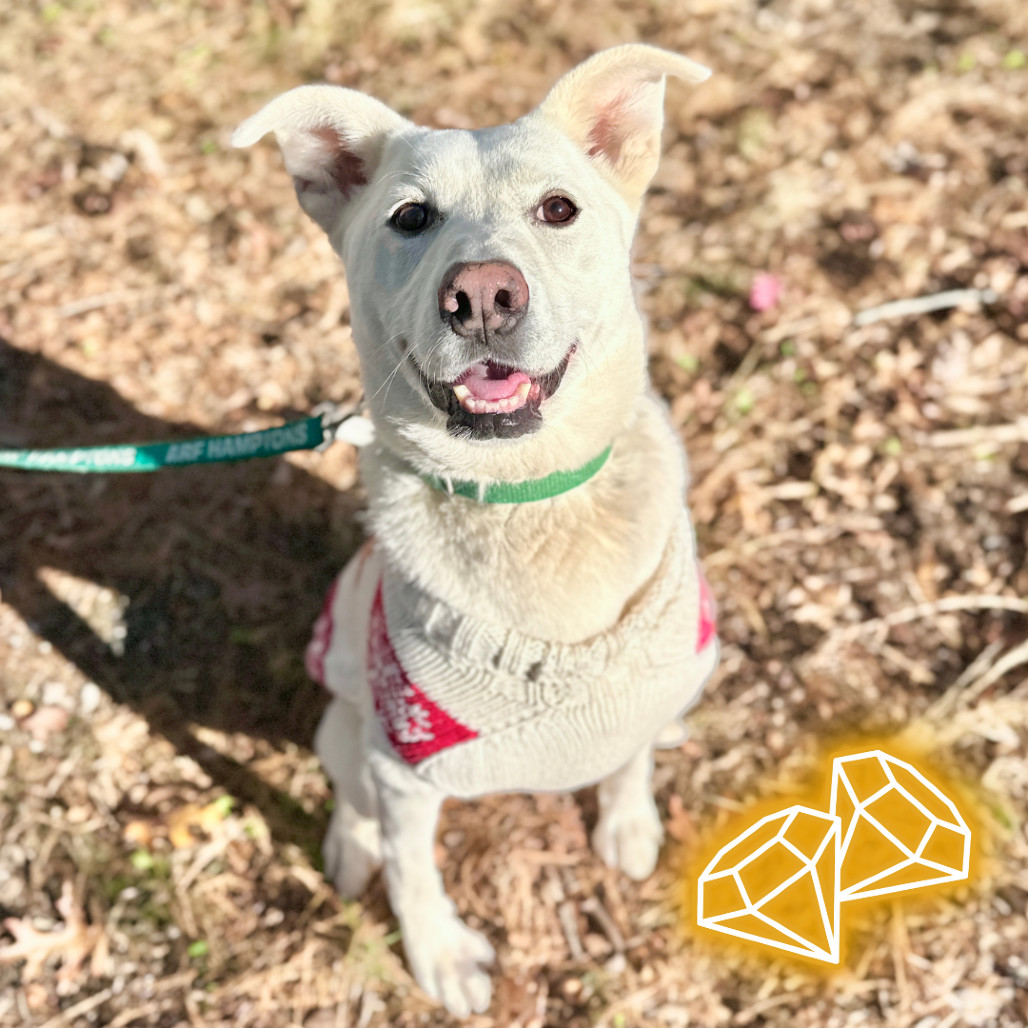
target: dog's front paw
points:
(630, 840)
(447, 958)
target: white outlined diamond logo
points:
(781, 882)
(899, 832)
(777, 881)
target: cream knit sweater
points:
(476, 708)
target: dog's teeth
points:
(475, 405)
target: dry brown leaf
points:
(73, 941)
(139, 833)
(679, 824)
(189, 824)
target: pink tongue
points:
(481, 381)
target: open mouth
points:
(494, 401)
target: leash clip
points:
(343, 423)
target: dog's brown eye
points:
(556, 210)
(411, 217)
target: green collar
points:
(522, 492)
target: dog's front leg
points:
(629, 833)
(445, 956)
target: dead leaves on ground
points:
(46, 721)
(74, 941)
(40, 722)
(184, 826)
(190, 823)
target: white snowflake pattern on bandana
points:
(398, 708)
(415, 726)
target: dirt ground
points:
(860, 493)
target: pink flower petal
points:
(765, 291)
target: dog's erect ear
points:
(612, 106)
(331, 139)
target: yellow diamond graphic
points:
(776, 884)
(781, 882)
(898, 831)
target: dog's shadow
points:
(221, 570)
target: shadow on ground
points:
(221, 571)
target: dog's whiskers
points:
(392, 374)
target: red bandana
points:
(415, 726)
(708, 613)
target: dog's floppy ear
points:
(612, 106)
(331, 139)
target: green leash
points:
(312, 433)
(522, 492)
(308, 434)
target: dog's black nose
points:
(483, 299)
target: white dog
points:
(529, 614)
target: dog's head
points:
(488, 271)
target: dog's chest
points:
(478, 709)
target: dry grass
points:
(861, 496)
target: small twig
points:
(978, 666)
(633, 1003)
(947, 605)
(591, 905)
(544, 857)
(746, 367)
(749, 1014)
(900, 953)
(959, 694)
(182, 980)
(996, 435)
(971, 673)
(817, 536)
(92, 303)
(1015, 658)
(914, 669)
(779, 333)
(566, 916)
(80, 1008)
(136, 1014)
(924, 305)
